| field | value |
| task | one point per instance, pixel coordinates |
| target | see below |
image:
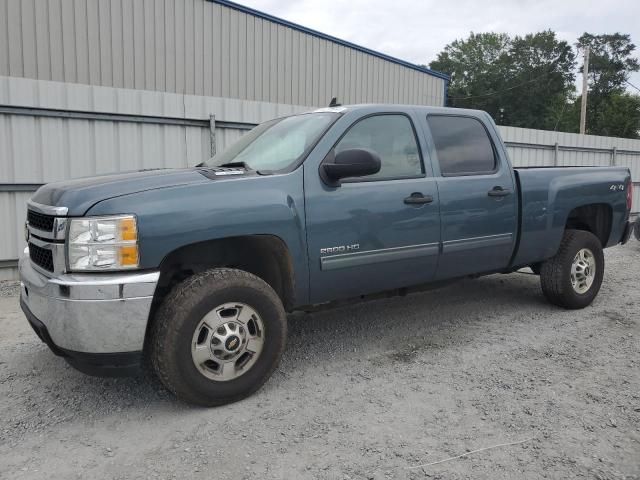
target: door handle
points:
(499, 192)
(417, 198)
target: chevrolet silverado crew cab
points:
(191, 271)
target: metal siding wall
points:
(526, 157)
(36, 150)
(42, 149)
(4, 38)
(199, 48)
(573, 151)
(8, 273)
(13, 211)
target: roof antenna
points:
(334, 102)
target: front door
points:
(478, 200)
(378, 232)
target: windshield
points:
(276, 144)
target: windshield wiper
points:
(226, 165)
(244, 165)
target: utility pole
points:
(585, 85)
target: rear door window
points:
(462, 145)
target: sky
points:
(416, 30)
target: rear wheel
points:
(218, 336)
(572, 278)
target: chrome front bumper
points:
(90, 313)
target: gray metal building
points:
(200, 47)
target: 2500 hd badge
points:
(340, 249)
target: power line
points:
(632, 85)
(501, 91)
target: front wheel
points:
(218, 337)
(572, 278)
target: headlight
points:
(103, 243)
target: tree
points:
(610, 61)
(611, 111)
(563, 115)
(476, 67)
(519, 81)
(617, 115)
(542, 76)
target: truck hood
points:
(81, 194)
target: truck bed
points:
(548, 195)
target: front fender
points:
(259, 205)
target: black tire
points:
(179, 316)
(535, 268)
(637, 229)
(555, 274)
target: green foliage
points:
(610, 62)
(476, 67)
(517, 80)
(544, 66)
(528, 81)
(618, 115)
(611, 111)
(563, 115)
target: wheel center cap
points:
(232, 343)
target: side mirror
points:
(355, 162)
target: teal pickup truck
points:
(191, 271)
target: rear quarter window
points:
(462, 145)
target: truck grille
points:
(40, 221)
(41, 257)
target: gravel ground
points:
(9, 289)
(364, 392)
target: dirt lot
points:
(364, 392)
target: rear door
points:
(378, 232)
(478, 200)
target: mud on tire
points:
(182, 311)
(555, 273)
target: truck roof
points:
(393, 107)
